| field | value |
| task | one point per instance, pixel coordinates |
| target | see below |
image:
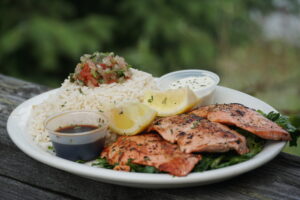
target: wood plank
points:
(15, 190)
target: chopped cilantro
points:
(81, 92)
(195, 124)
(146, 158)
(80, 161)
(151, 99)
(94, 73)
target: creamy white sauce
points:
(193, 82)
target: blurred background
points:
(253, 45)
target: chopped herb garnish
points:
(195, 124)
(81, 92)
(50, 148)
(105, 54)
(94, 73)
(146, 158)
(93, 56)
(72, 79)
(151, 99)
(80, 161)
(63, 105)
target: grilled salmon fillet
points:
(196, 134)
(244, 118)
(151, 150)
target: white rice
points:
(73, 97)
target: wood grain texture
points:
(21, 177)
(13, 189)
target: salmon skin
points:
(151, 150)
(196, 134)
(244, 118)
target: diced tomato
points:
(85, 75)
(94, 81)
(103, 66)
(85, 70)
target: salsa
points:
(100, 68)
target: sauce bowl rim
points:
(213, 75)
(56, 115)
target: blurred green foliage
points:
(42, 41)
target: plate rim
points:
(143, 180)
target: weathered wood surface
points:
(21, 177)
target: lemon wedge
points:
(170, 102)
(130, 118)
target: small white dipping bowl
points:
(206, 95)
(85, 145)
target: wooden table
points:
(22, 177)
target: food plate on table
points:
(21, 133)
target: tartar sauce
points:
(193, 82)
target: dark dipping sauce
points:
(75, 152)
(76, 129)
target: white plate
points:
(16, 127)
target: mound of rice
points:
(74, 97)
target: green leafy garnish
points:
(141, 168)
(102, 162)
(285, 123)
(80, 161)
(219, 160)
